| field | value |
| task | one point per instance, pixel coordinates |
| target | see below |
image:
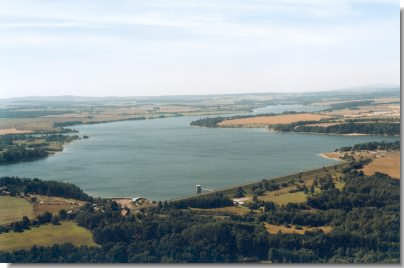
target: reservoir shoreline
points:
(164, 159)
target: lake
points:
(280, 108)
(162, 159)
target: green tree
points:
(240, 192)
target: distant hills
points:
(363, 92)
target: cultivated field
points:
(260, 121)
(13, 209)
(13, 131)
(388, 163)
(370, 111)
(47, 235)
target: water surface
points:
(164, 158)
(280, 108)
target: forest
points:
(22, 147)
(385, 128)
(364, 217)
(16, 185)
(371, 146)
(370, 126)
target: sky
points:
(181, 47)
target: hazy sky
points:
(156, 47)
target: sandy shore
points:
(333, 156)
(355, 134)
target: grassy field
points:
(284, 198)
(270, 120)
(286, 195)
(47, 235)
(14, 208)
(388, 163)
(306, 176)
(383, 162)
(292, 229)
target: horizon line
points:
(357, 88)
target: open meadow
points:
(14, 208)
(47, 235)
(388, 163)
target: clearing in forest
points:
(47, 235)
(293, 229)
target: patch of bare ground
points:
(293, 229)
(262, 121)
(126, 202)
(54, 204)
(332, 155)
(27, 124)
(13, 131)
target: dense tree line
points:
(208, 122)
(364, 216)
(209, 201)
(214, 121)
(67, 123)
(25, 223)
(376, 191)
(371, 146)
(35, 186)
(10, 139)
(374, 119)
(344, 128)
(13, 150)
(22, 153)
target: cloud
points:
(181, 45)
